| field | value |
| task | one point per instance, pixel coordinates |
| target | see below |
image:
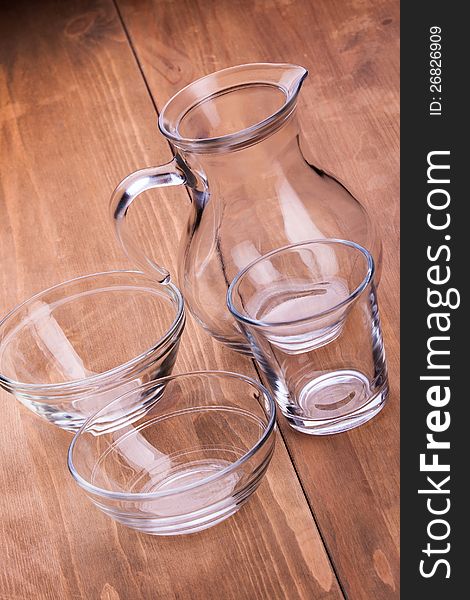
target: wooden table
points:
(81, 83)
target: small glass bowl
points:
(185, 459)
(73, 348)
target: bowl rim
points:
(129, 496)
(78, 384)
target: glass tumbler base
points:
(340, 422)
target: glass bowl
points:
(75, 347)
(184, 459)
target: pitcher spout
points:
(290, 78)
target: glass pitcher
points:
(236, 142)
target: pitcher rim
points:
(246, 136)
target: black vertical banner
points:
(435, 267)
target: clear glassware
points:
(236, 141)
(186, 461)
(75, 347)
(310, 314)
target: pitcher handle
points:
(125, 194)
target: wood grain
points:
(349, 112)
(76, 117)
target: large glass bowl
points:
(186, 457)
(75, 347)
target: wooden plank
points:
(75, 118)
(350, 116)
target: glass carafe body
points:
(237, 146)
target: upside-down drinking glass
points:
(310, 314)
